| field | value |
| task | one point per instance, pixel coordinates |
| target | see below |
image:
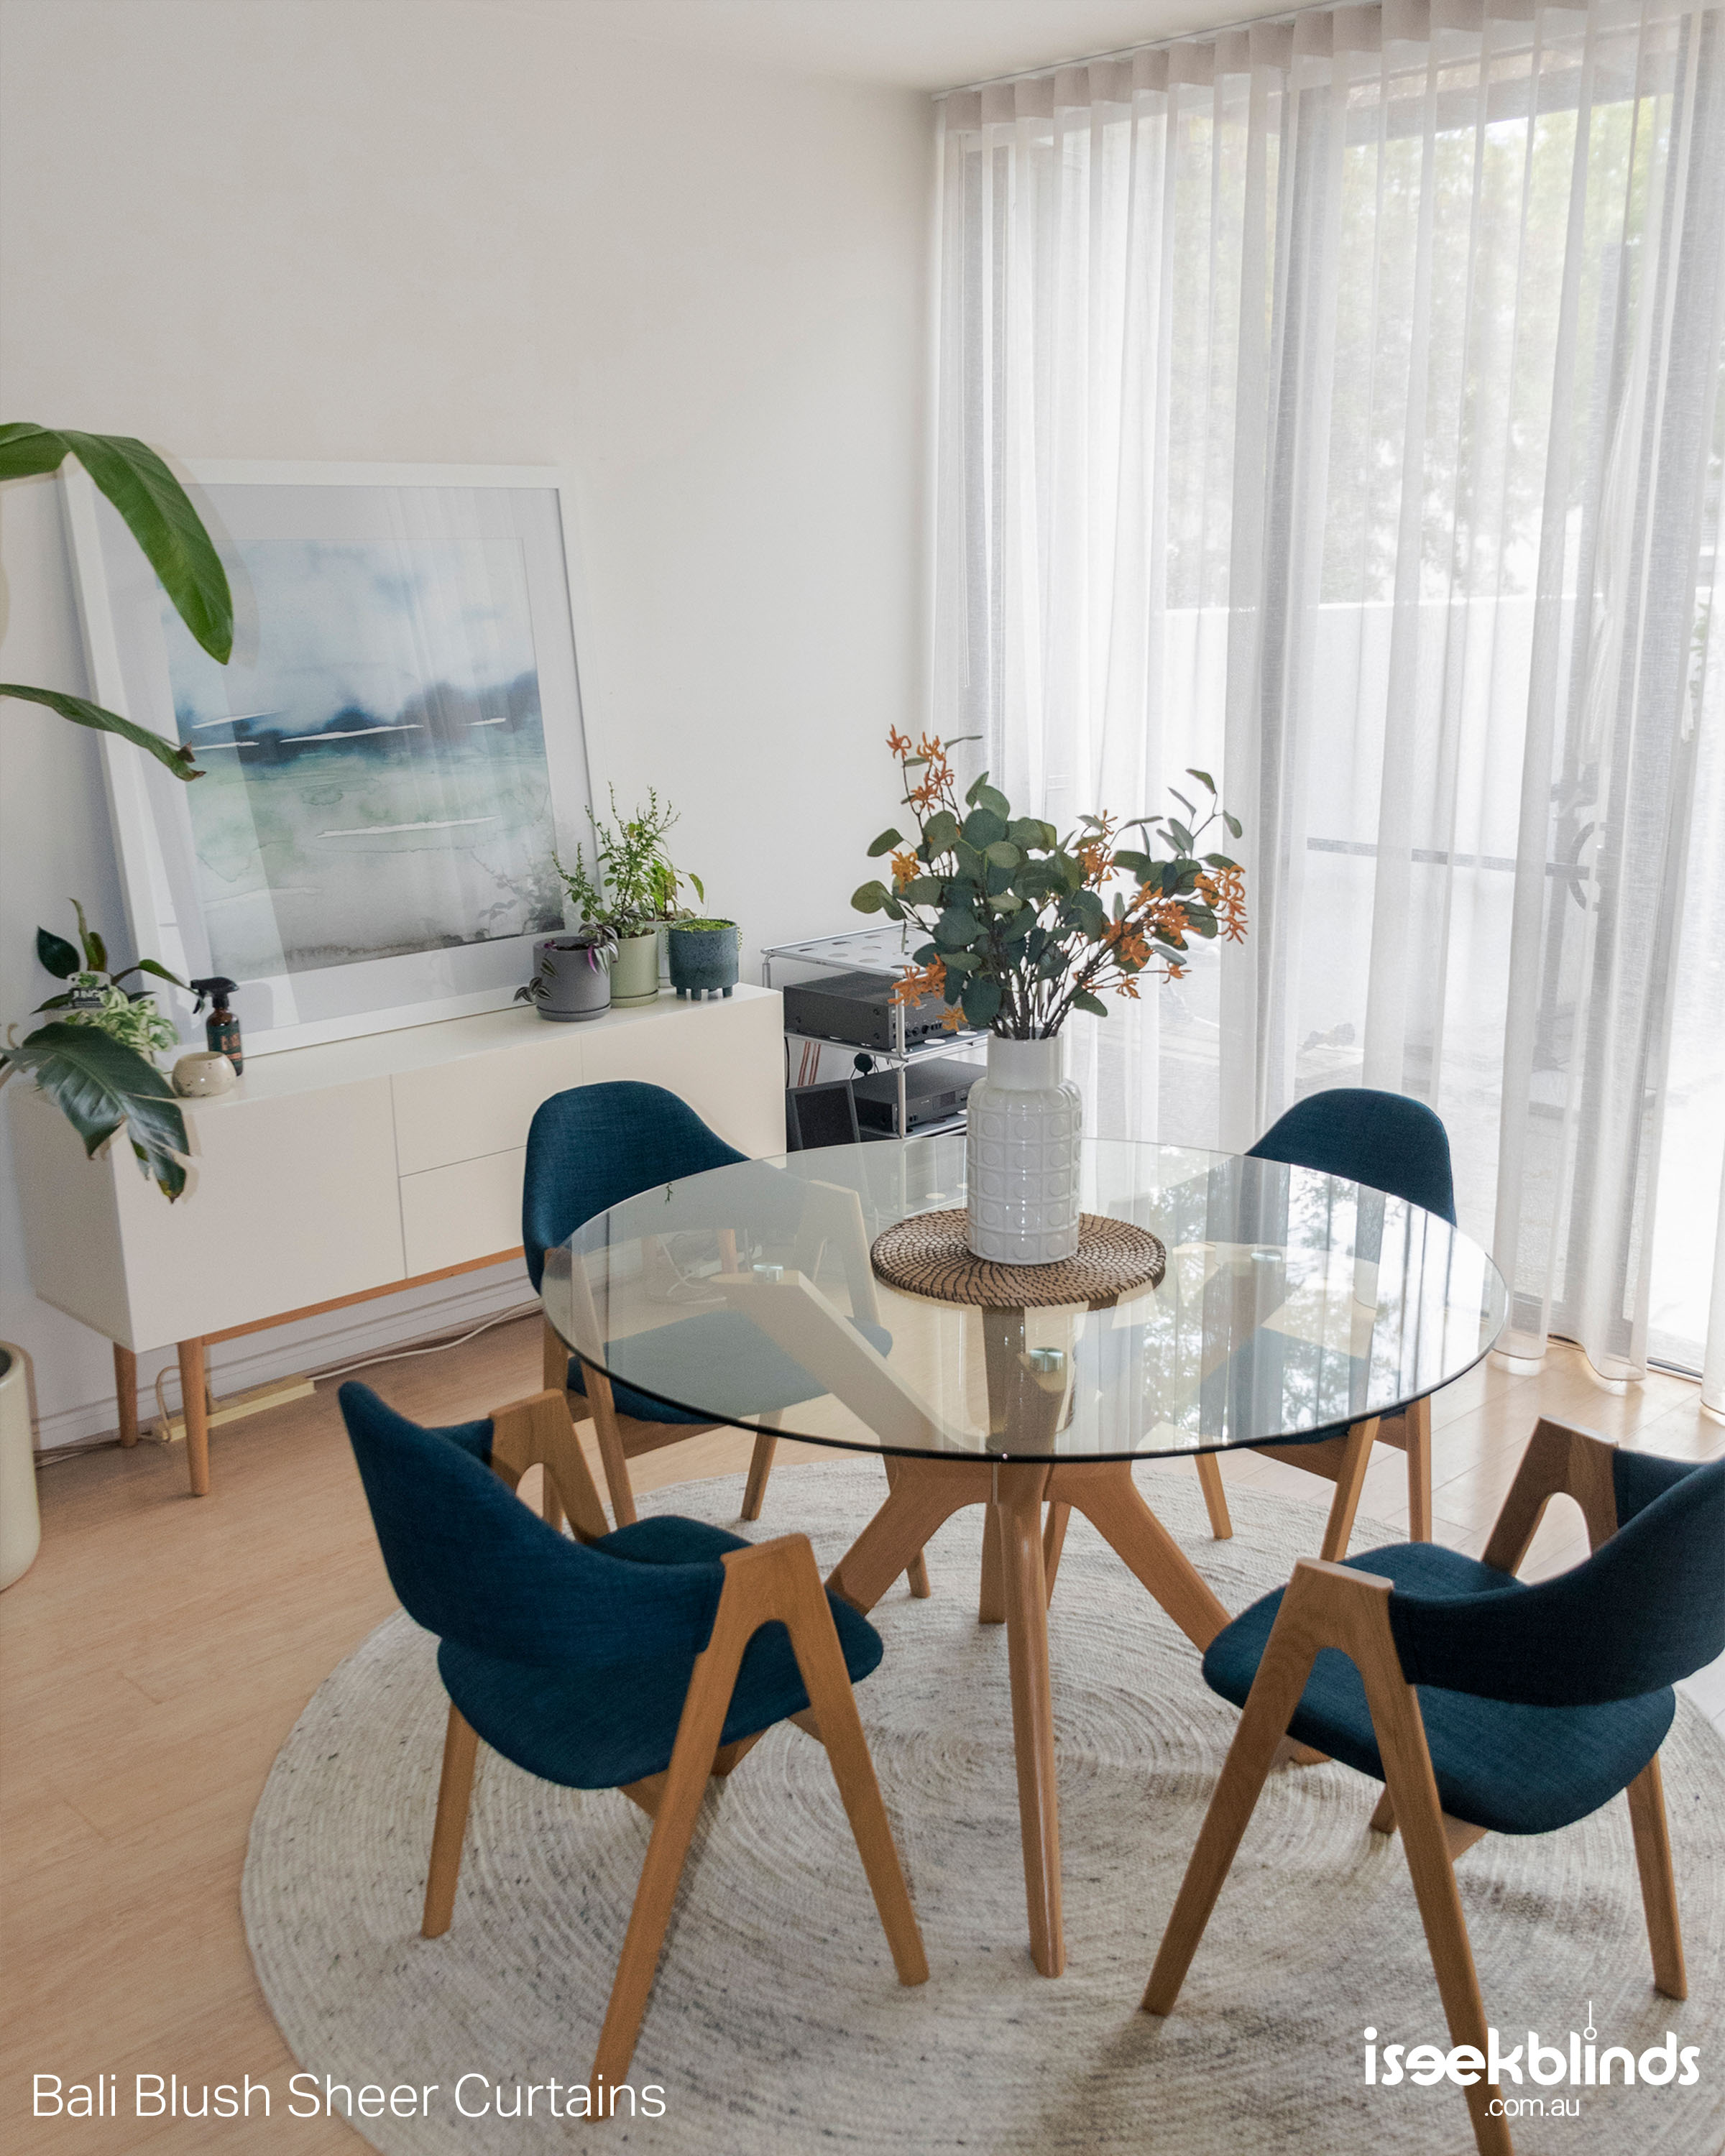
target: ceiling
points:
(914, 45)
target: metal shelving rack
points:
(877, 950)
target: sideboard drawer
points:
(466, 1210)
(480, 1105)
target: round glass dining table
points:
(1295, 1307)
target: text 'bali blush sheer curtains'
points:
(1335, 405)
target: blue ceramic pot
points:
(703, 960)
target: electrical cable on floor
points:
(431, 1347)
(160, 1432)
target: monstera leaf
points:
(159, 515)
(99, 1086)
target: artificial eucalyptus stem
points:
(1026, 925)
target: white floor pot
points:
(20, 1522)
(1022, 1155)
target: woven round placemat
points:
(929, 1254)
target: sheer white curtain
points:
(1335, 405)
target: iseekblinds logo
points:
(1577, 2062)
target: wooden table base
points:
(1015, 1588)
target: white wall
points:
(491, 231)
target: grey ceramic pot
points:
(703, 960)
(575, 987)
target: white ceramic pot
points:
(20, 1522)
(1022, 1155)
(200, 1076)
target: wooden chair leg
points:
(760, 1467)
(814, 1640)
(1356, 1458)
(1417, 1422)
(686, 1781)
(1054, 1541)
(1215, 1498)
(612, 1457)
(1411, 1789)
(1275, 1692)
(1659, 1887)
(461, 1751)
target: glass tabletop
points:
(1293, 1302)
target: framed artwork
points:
(391, 758)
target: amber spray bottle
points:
(221, 1029)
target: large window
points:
(1338, 407)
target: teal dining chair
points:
(591, 1148)
(646, 1660)
(1482, 1704)
(1382, 1142)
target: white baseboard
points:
(367, 1328)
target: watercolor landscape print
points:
(376, 779)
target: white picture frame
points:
(313, 545)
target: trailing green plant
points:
(1024, 925)
(597, 942)
(632, 887)
(92, 1062)
(160, 517)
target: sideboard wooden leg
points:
(194, 1406)
(126, 1392)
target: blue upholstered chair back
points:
(590, 1148)
(1382, 1140)
(1647, 1608)
(472, 1564)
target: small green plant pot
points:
(634, 978)
(703, 958)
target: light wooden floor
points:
(154, 1659)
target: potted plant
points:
(703, 957)
(1025, 927)
(632, 890)
(571, 975)
(93, 1059)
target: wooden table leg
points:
(1108, 1497)
(194, 1406)
(916, 1571)
(1017, 1513)
(925, 1494)
(126, 1392)
(991, 1601)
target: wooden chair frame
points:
(1327, 1605)
(775, 1582)
(1344, 1461)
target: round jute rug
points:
(776, 2027)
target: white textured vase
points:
(1021, 1155)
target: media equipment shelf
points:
(881, 951)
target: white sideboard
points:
(332, 1174)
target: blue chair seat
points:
(1509, 1768)
(598, 1729)
(719, 1357)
